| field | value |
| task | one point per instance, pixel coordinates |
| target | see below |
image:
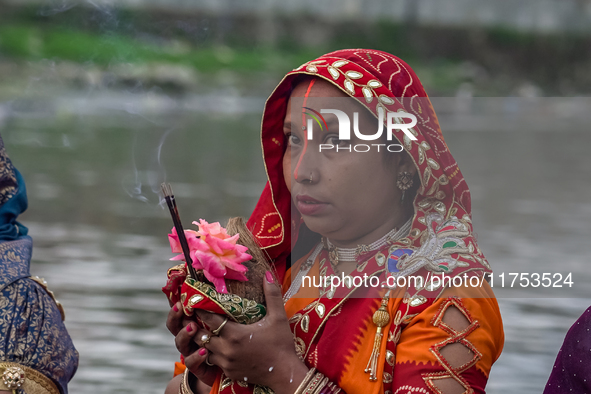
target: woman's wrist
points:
(304, 384)
(287, 378)
(191, 385)
(187, 383)
(316, 383)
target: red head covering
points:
(375, 79)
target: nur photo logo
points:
(394, 120)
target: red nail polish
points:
(202, 351)
(176, 309)
(189, 328)
(269, 277)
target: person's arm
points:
(448, 348)
(193, 384)
(174, 385)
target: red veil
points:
(383, 77)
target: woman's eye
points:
(336, 141)
(292, 139)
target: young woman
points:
(398, 212)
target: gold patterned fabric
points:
(29, 380)
(32, 333)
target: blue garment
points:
(31, 329)
(13, 198)
(32, 332)
(10, 229)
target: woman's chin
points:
(322, 226)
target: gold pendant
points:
(361, 249)
(381, 318)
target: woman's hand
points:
(262, 353)
(184, 331)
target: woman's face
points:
(349, 197)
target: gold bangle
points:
(314, 383)
(185, 386)
(304, 383)
(334, 389)
(321, 385)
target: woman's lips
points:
(309, 206)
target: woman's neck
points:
(373, 235)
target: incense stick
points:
(176, 219)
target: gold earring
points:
(404, 182)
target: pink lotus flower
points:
(213, 251)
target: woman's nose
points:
(306, 166)
(310, 178)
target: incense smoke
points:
(152, 175)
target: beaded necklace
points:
(337, 255)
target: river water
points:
(92, 164)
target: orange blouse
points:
(410, 352)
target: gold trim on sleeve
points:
(30, 380)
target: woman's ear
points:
(406, 164)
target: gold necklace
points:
(336, 254)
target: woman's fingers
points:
(273, 297)
(196, 363)
(202, 336)
(218, 344)
(184, 339)
(189, 340)
(211, 320)
(174, 321)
